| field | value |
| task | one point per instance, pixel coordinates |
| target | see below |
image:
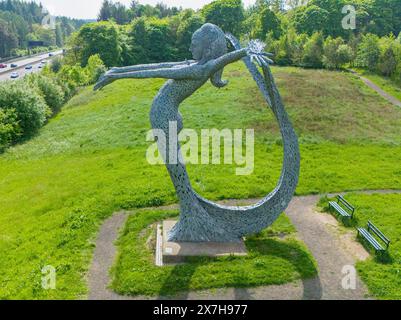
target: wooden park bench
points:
(369, 235)
(342, 207)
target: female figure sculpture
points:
(200, 219)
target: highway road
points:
(5, 74)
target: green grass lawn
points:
(89, 161)
(386, 84)
(382, 278)
(270, 260)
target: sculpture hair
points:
(215, 44)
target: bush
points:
(336, 53)
(264, 22)
(75, 74)
(9, 128)
(69, 88)
(95, 68)
(388, 62)
(344, 54)
(313, 51)
(368, 52)
(49, 89)
(29, 106)
(56, 64)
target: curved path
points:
(319, 231)
(376, 88)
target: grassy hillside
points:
(90, 161)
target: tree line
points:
(302, 33)
(21, 22)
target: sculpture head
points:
(208, 43)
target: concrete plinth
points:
(174, 252)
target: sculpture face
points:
(196, 47)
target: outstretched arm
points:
(254, 51)
(151, 66)
(228, 58)
(192, 72)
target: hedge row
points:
(26, 104)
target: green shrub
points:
(49, 89)
(313, 51)
(9, 128)
(56, 64)
(30, 107)
(69, 88)
(95, 68)
(336, 53)
(75, 74)
(368, 52)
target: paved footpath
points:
(333, 248)
(379, 90)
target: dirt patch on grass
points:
(346, 237)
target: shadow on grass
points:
(182, 274)
(323, 204)
(382, 257)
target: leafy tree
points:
(120, 13)
(95, 68)
(310, 19)
(59, 36)
(336, 53)
(40, 33)
(384, 16)
(313, 51)
(368, 52)
(106, 11)
(29, 106)
(288, 49)
(136, 43)
(159, 43)
(8, 39)
(333, 24)
(390, 56)
(98, 38)
(189, 23)
(56, 64)
(151, 40)
(227, 14)
(266, 21)
(135, 9)
(344, 55)
(16, 24)
(74, 75)
(165, 11)
(388, 62)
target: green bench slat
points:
(370, 239)
(378, 233)
(345, 203)
(340, 210)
